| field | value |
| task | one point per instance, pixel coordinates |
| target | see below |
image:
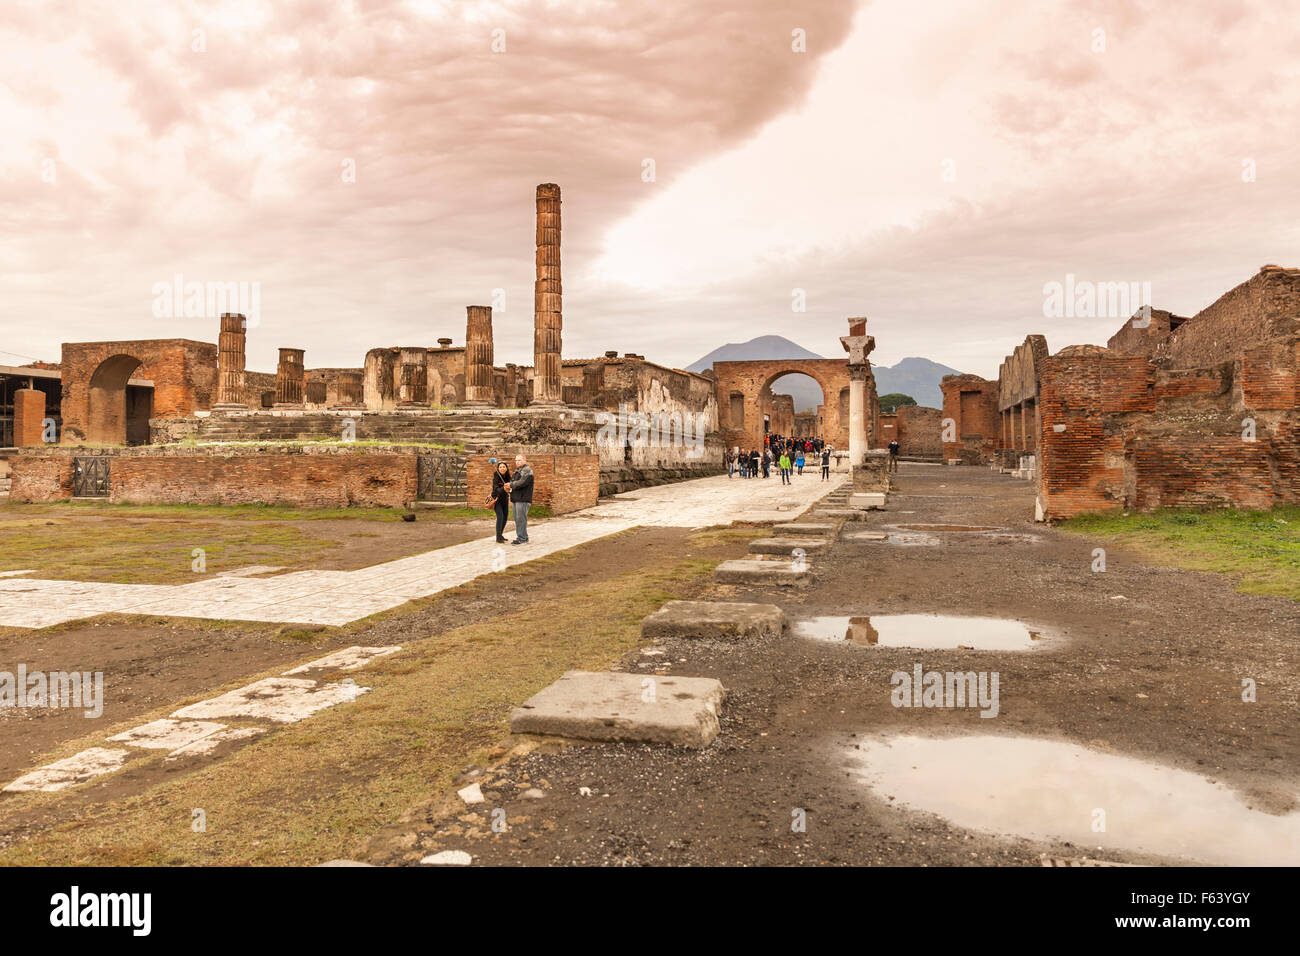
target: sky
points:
(729, 169)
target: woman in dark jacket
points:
(500, 500)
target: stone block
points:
(787, 545)
(749, 571)
(804, 527)
(608, 706)
(713, 620)
(867, 501)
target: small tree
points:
(893, 401)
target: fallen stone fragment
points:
(713, 620)
(71, 770)
(449, 858)
(344, 863)
(471, 794)
(604, 706)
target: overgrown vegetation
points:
(1261, 549)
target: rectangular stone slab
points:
(867, 500)
(742, 571)
(787, 545)
(804, 527)
(713, 620)
(607, 706)
(853, 514)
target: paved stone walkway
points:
(339, 597)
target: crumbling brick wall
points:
(1263, 309)
(920, 431)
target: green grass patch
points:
(1261, 549)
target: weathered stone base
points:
(804, 527)
(744, 571)
(606, 706)
(713, 620)
(867, 501)
(786, 545)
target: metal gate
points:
(90, 476)
(441, 478)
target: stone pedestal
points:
(871, 477)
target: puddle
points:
(904, 539)
(923, 632)
(947, 527)
(1052, 790)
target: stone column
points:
(412, 378)
(29, 417)
(289, 377)
(548, 318)
(478, 355)
(512, 385)
(230, 362)
(593, 382)
(859, 345)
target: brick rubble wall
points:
(561, 482)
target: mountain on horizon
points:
(915, 376)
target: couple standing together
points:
(516, 490)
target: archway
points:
(742, 385)
(785, 397)
(116, 414)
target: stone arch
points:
(109, 421)
(750, 379)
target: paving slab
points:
(167, 734)
(71, 770)
(786, 546)
(713, 620)
(348, 659)
(284, 700)
(870, 500)
(609, 706)
(748, 571)
(206, 745)
(805, 527)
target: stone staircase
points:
(471, 432)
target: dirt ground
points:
(1139, 660)
(1156, 675)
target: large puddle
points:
(922, 631)
(1052, 790)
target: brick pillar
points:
(412, 377)
(548, 318)
(289, 377)
(478, 355)
(29, 416)
(230, 361)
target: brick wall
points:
(563, 482)
(40, 477)
(920, 431)
(748, 381)
(29, 413)
(1264, 308)
(971, 403)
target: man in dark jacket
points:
(521, 496)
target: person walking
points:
(520, 487)
(731, 464)
(826, 464)
(798, 461)
(784, 464)
(500, 498)
(894, 449)
(753, 464)
(767, 463)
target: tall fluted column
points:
(548, 318)
(230, 361)
(478, 355)
(289, 377)
(413, 381)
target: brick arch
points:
(751, 378)
(100, 377)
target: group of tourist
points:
(787, 455)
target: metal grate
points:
(90, 476)
(441, 478)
